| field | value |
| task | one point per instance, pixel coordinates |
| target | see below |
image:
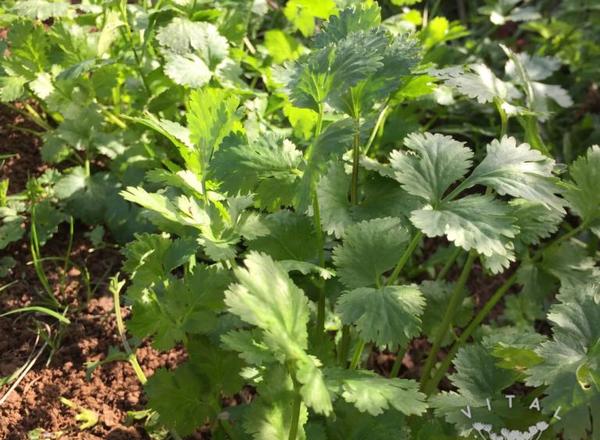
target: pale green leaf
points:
(473, 222)
(433, 163)
(187, 70)
(519, 171)
(267, 297)
(374, 394)
(182, 36)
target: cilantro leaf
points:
(356, 18)
(180, 398)
(519, 171)
(187, 70)
(182, 36)
(210, 117)
(266, 297)
(473, 222)
(374, 394)
(387, 316)
(370, 248)
(583, 196)
(570, 366)
(437, 162)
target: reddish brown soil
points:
(113, 389)
(25, 147)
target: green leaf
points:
(335, 68)
(282, 47)
(270, 415)
(41, 9)
(47, 219)
(374, 394)
(249, 346)
(387, 316)
(180, 307)
(351, 424)
(519, 171)
(360, 17)
(251, 167)
(570, 367)
(220, 368)
(180, 398)
(11, 230)
(370, 248)
(437, 295)
(291, 237)
(583, 196)
(477, 82)
(382, 198)
(182, 36)
(433, 164)
(571, 264)
(302, 13)
(473, 222)
(267, 297)
(210, 117)
(39, 309)
(534, 220)
(187, 70)
(85, 196)
(12, 88)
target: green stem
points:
(129, 38)
(503, 118)
(449, 263)
(455, 300)
(572, 233)
(295, 412)
(320, 281)
(380, 119)
(115, 288)
(344, 346)
(355, 159)
(358, 351)
(319, 232)
(397, 363)
(404, 258)
(432, 384)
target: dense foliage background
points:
(371, 219)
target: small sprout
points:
(86, 417)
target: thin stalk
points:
(358, 351)
(397, 363)
(404, 258)
(455, 300)
(380, 120)
(115, 288)
(129, 38)
(37, 118)
(36, 261)
(432, 384)
(503, 118)
(67, 258)
(572, 233)
(449, 263)
(318, 231)
(295, 422)
(355, 159)
(344, 346)
(320, 281)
